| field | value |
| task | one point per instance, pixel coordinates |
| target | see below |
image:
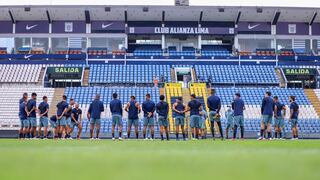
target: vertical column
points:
(50, 38)
(199, 39)
(163, 39)
(126, 38)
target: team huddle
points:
(69, 115)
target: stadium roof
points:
(261, 3)
(290, 10)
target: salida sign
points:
(299, 71)
(67, 69)
(65, 72)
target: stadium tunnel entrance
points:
(184, 75)
(61, 77)
(301, 77)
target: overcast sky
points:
(283, 3)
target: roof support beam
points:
(11, 16)
(200, 18)
(126, 16)
(276, 18)
(48, 16)
(163, 19)
(87, 16)
(313, 18)
(238, 17)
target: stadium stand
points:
(120, 74)
(61, 51)
(246, 74)
(9, 98)
(210, 50)
(253, 98)
(75, 51)
(245, 53)
(286, 52)
(265, 52)
(93, 51)
(37, 50)
(85, 95)
(148, 50)
(186, 51)
(19, 73)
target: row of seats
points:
(128, 73)
(97, 51)
(215, 53)
(68, 51)
(265, 52)
(19, 73)
(85, 95)
(254, 111)
(246, 74)
(253, 96)
(286, 52)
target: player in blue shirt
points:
(267, 107)
(54, 126)
(76, 120)
(24, 97)
(68, 118)
(133, 108)
(31, 109)
(214, 105)
(43, 113)
(62, 108)
(23, 100)
(148, 108)
(230, 122)
(238, 108)
(24, 129)
(294, 113)
(162, 109)
(116, 111)
(94, 115)
(179, 110)
(279, 114)
(195, 107)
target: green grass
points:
(91, 160)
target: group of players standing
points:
(69, 116)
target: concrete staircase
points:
(85, 79)
(173, 75)
(57, 97)
(186, 99)
(313, 99)
(41, 76)
(194, 75)
(185, 95)
(281, 78)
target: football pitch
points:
(106, 159)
